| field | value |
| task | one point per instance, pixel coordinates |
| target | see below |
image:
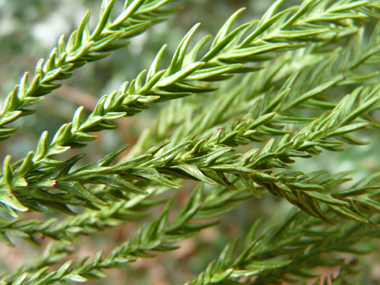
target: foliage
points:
(240, 111)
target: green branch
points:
(116, 213)
(53, 253)
(216, 203)
(204, 160)
(284, 253)
(157, 236)
(160, 234)
(310, 192)
(81, 48)
(116, 193)
(158, 86)
(308, 81)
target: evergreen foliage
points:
(240, 111)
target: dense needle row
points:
(205, 145)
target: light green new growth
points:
(295, 83)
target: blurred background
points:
(30, 29)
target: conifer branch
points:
(158, 86)
(117, 213)
(335, 68)
(91, 221)
(53, 253)
(341, 238)
(204, 160)
(284, 253)
(292, 42)
(310, 192)
(81, 48)
(214, 204)
(157, 236)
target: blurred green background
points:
(29, 29)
